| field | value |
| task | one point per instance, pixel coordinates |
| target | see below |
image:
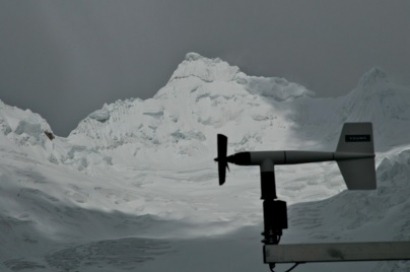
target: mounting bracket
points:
(336, 252)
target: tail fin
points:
(359, 174)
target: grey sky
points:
(64, 59)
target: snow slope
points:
(134, 186)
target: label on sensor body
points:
(358, 138)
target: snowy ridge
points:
(25, 133)
(22, 127)
(138, 174)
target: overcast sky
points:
(65, 59)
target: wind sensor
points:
(355, 157)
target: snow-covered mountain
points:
(135, 186)
(203, 97)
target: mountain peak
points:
(375, 76)
(192, 56)
(205, 69)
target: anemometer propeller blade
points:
(222, 142)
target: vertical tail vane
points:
(222, 142)
(359, 174)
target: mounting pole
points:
(274, 211)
